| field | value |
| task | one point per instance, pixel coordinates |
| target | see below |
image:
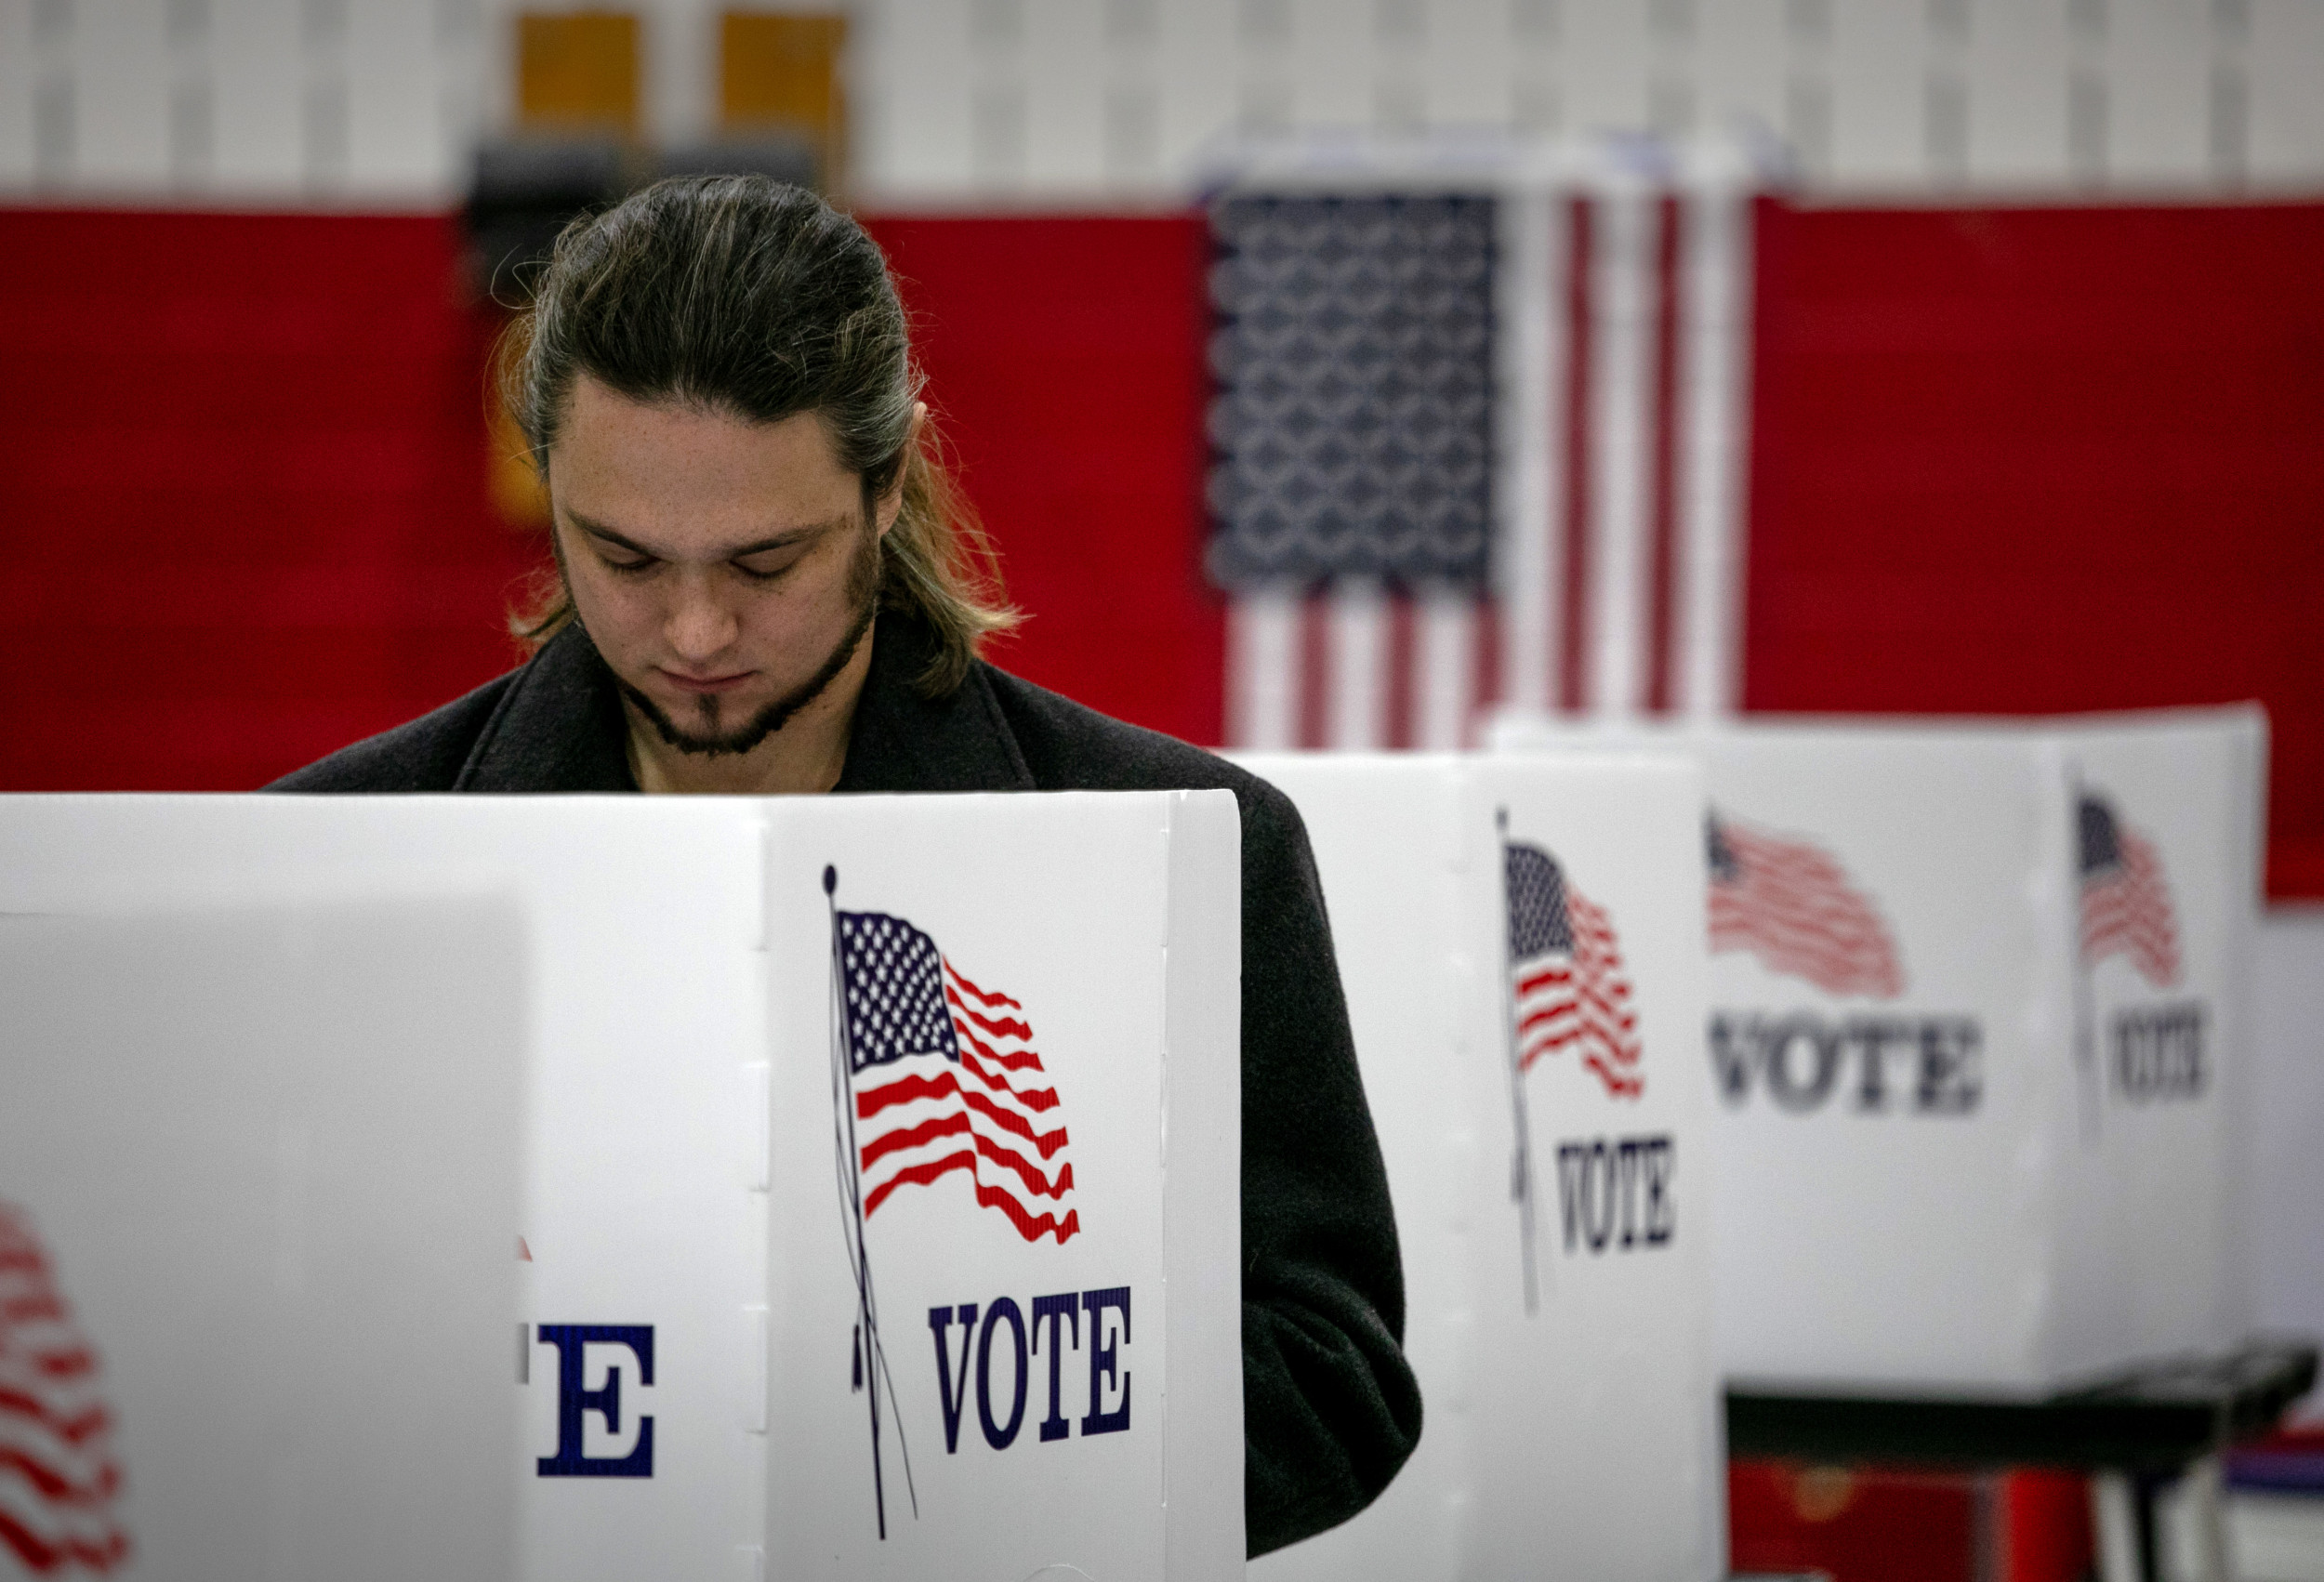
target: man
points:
(764, 586)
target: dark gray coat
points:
(1330, 1408)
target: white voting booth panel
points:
(1975, 1010)
(254, 1282)
(1041, 1021)
(1573, 1432)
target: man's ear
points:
(892, 502)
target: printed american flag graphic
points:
(1790, 903)
(58, 1475)
(2126, 903)
(1565, 972)
(946, 1079)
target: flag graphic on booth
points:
(935, 1081)
(58, 1475)
(1790, 903)
(2126, 905)
(1566, 985)
(947, 1082)
(1565, 990)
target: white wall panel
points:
(1102, 101)
(258, 74)
(2157, 62)
(120, 94)
(1602, 64)
(1062, 69)
(913, 94)
(1741, 45)
(18, 69)
(1879, 55)
(2286, 66)
(1330, 61)
(1196, 79)
(2017, 72)
(395, 128)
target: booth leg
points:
(2122, 1512)
(2206, 1513)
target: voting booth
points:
(876, 1176)
(1975, 1021)
(1521, 943)
(255, 1208)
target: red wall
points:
(1065, 364)
(2039, 459)
(241, 498)
(2002, 460)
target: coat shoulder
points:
(426, 754)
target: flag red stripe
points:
(1623, 1085)
(1010, 1059)
(1035, 1098)
(919, 1175)
(1006, 1027)
(25, 1310)
(1049, 1143)
(1032, 1228)
(39, 1555)
(1568, 686)
(1315, 671)
(903, 1090)
(1550, 975)
(1662, 594)
(987, 995)
(1036, 1184)
(902, 1137)
(55, 1486)
(70, 1430)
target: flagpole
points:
(843, 1133)
(1521, 1160)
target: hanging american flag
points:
(1474, 443)
(58, 1475)
(1790, 903)
(2126, 904)
(945, 1079)
(1565, 972)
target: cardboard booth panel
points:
(684, 1376)
(1042, 1364)
(1522, 946)
(2167, 918)
(1972, 1007)
(648, 981)
(256, 1262)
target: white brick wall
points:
(375, 101)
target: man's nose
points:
(700, 626)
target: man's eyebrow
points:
(784, 540)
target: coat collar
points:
(903, 742)
(560, 725)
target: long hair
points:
(757, 299)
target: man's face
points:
(724, 569)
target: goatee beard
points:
(863, 590)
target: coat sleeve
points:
(1330, 1408)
